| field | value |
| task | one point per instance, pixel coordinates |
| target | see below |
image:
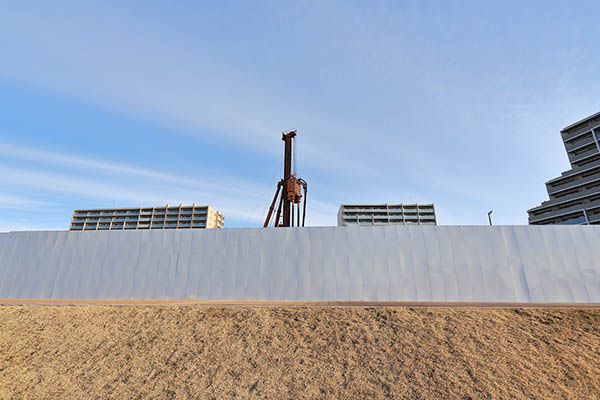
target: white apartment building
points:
(168, 217)
(383, 214)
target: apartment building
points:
(168, 217)
(383, 214)
(575, 195)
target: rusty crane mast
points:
(289, 190)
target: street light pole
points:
(490, 216)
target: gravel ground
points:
(135, 351)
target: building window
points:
(573, 221)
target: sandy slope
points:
(177, 351)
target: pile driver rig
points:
(290, 188)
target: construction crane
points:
(289, 189)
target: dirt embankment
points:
(156, 351)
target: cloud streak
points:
(18, 202)
(124, 185)
(393, 102)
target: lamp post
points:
(490, 216)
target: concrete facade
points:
(575, 195)
(536, 264)
(384, 214)
(168, 217)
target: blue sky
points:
(127, 103)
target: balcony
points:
(584, 157)
(572, 135)
(583, 141)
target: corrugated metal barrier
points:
(385, 263)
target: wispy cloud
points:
(18, 202)
(397, 101)
(123, 185)
(207, 182)
(200, 95)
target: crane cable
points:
(277, 171)
(305, 187)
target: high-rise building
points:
(169, 217)
(383, 214)
(575, 195)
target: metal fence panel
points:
(374, 263)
